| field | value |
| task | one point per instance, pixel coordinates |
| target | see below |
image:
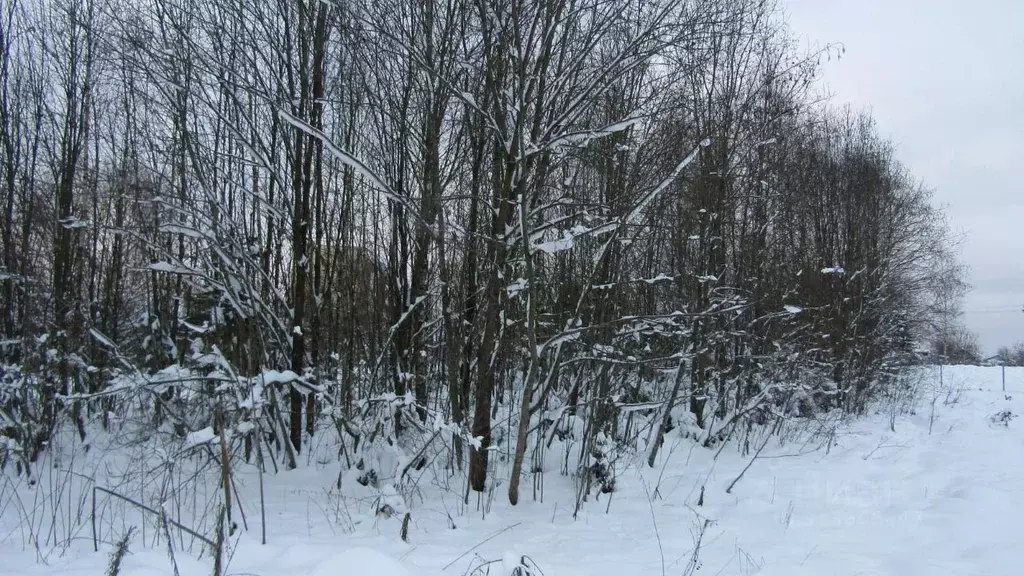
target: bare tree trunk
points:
(311, 86)
(666, 416)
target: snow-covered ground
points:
(934, 492)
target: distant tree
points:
(1012, 355)
(958, 345)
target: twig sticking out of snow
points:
(654, 521)
(481, 543)
(752, 460)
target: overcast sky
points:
(945, 81)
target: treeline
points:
(279, 216)
(1011, 355)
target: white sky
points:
(945, 81)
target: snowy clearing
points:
(935, 491)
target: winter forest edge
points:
(383, 237)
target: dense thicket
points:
(382, 217)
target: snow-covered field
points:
(934, 492)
